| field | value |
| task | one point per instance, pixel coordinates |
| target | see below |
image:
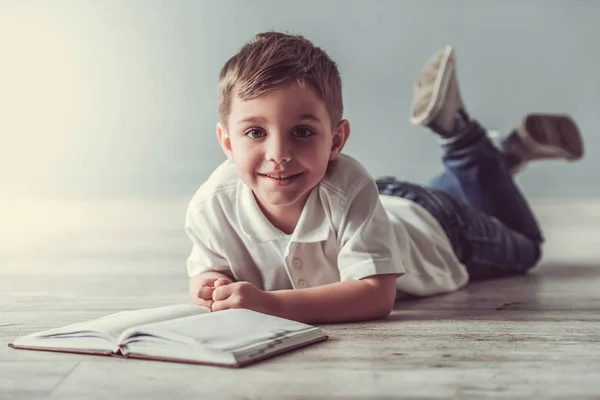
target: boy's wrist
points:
(275, 305)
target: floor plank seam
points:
(508, 305)
(64, 378)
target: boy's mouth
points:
(280, 178)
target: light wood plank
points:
(354, 380)
(533, 336)
(26, 379)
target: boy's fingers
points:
(205, 293)
(221, 293)
(219, 306)
(221, 282)
(210, 282)
(203, 303)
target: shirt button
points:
(302, 284)
(343, 202)
(296, 263)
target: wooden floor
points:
(528, 337)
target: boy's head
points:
(280, 109)
(275, 58)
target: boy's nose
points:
(278, 151)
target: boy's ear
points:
(340, 136)
(224, 140)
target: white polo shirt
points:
(346, 231)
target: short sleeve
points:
(204, 255)
(366, 238)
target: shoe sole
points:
(442, 81)
(537, 128)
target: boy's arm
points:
(357, 300)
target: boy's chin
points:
(271, 199)
(280, 201)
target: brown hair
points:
(275, 58)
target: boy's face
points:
(281, 143)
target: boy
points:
(290, 226)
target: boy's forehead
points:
(289, 99)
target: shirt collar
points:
(313, 225)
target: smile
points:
(280, 177)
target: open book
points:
(179, 333)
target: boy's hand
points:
(202, 288)
(242, 295)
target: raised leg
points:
(495, 231)
(539, 137)
(475, 171)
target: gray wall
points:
(113, 98)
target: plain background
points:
(102, 99)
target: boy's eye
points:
(303, 132)
(254, 133)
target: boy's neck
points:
(284, 218)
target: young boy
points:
(290, 226)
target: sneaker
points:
(543, 136)
(436, 96)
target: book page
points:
(115, 324)
(111, 326)
(221, 331)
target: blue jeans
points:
(488, 221)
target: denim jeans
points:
(489, 223)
